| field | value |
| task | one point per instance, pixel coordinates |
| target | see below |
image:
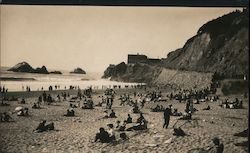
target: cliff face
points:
(132, 72)
(220, 46)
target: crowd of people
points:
(136, 101)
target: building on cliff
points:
(137, 58)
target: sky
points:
(92, 37)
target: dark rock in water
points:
(42, 70)
(25, 67)
(55, 72)
(78, 71)
(22, 67)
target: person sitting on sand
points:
(123, 126)
(40, 99)
(123, 136)
(129, 119)
(217, 148)
(140, 119)
(22, 101)
(49, 99)
(42, 127)
(88, 104)
(59, 98)
(36, 106)
(112, 114)
(102, 136)
(117, 127)
(50, 126)
(111, 132)
(207, 108)
(70, 112)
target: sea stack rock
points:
(78, 71)
(22, 67)
(42, 70)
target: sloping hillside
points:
(220, 46)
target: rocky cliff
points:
(220, 46)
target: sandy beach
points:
(76, 134)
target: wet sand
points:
(76, 134)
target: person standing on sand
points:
(167, 114)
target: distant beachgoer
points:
(112, 114)
(36, 106)
(129, 119)
(22, 101)
(167, 114)
(140, 119)
(70, 112)
(123, 126)
(102, 136)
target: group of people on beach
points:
(3, 89)
(136, 101)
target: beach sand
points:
(76, 134)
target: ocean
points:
(18, 81)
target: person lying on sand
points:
(139, 126)
(4, 117)
(186, 116)
(22, 111)
(3, 103)
(179, 132)
(176, 113)
(102, 136)
(217, 148)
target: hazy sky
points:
(92, 37)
